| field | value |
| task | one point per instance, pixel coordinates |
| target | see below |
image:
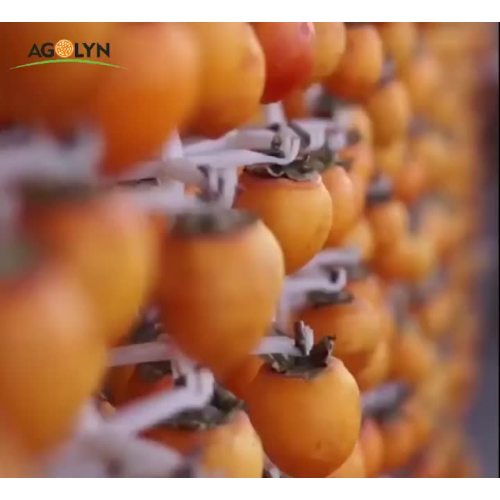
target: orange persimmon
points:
(329, 45)
(372, 447)
(231, 448)
(344, 198)
(411, 259)
(137, 108)
(276, 200)
(390, 112)
(289, 53)
(360, 66)
(107, 242)
(205, 257)
(353, 467)
(376, 369)
(360, 236)
(355, 325)
(389, 159)
(412, 356)
(399, 41)
(52, 356)
(308, 424)
(232, 76)
(389, 222)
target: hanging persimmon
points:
(52, 356)
(220, 432)
(205, 258)
(360, 66)
(295, 207)
(306, 411)
(107, 242)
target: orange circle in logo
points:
(64, 48)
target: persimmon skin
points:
(360, 158)
(399, 41)
(232, 76)
(229, 450)
(116, 381)
(411, 182)
(423, 425)
(274, 200)
(389, 222)
(389, 109)
(52, 357)
(108, 244)
(355, 326)
(289, 54)
(15, 460)
(389, 159)
(238, 380)
(411, 260)
(360, 236)
(345, 208)
(353, 117)
(372, 446)
(53, 96)
(308, 427)
(213, 319)
(438, 315)
(422, 76)
(399, 442)
(444, 228)
(137, 109)
(377, 368)
(371, 289)
(432, 151)
(353, 467)
(412, 358)
(329, 45)
(360, 66)
(295, 105)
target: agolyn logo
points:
(69, 52)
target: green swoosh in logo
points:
(77, 61)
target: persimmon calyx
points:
(380, 191)
(148, 329)
(307, 366)
(305, 169)
(214, 222)
(330, 159)
(218, 411)
(150, 410)
(320, 298)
